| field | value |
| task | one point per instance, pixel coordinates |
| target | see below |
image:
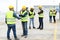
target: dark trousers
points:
(24, 26)
(41, 23)
(54, 19)
(13, 27)
(50, 19)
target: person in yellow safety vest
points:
(24, 20)
(50, 16)
(31, 15)
(54, 15)
(40, 13)
(10, 20)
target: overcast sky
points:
(5, 3)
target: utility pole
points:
(16, 6)
(59, 11)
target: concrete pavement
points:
(34, 34)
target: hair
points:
(11, 9)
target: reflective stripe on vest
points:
(54, 13)
(32, 15)
(24, 19)
(50, 13)
(41, 15)
(10, 18)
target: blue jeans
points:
(41, 23)
(50, 19)
(31, 21)
(24, 26)
(13, 27)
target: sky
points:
(29, 3)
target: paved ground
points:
(48, 33)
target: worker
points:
(50, 16)
(31, 15)
(40, 13)
(24, 20)
(10, 21)
(54, 15)
(27, 10)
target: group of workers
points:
(11, 16)
(52, 13)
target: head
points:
(11, 8)
(40, 7)
(31, 9)
(23, 8)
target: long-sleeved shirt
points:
(15, 15)
(23, 15)
(31, 14)
(40, 12)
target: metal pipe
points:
(59, 11)
(16, 6)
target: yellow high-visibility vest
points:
(24, 19)
(10, 18)
(54, 13)
(41, 15)
(32, 14)
(50, 14)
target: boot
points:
(41, 28)
(38, 28)
(16, 39)
(25, 36)
(29, 27)
(33, 27)
(22, 35)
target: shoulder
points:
(7, 12)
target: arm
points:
(56, 12)
(41, 11)
(30, 14)
(14, 15)
(23, 15)
(38, 12)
